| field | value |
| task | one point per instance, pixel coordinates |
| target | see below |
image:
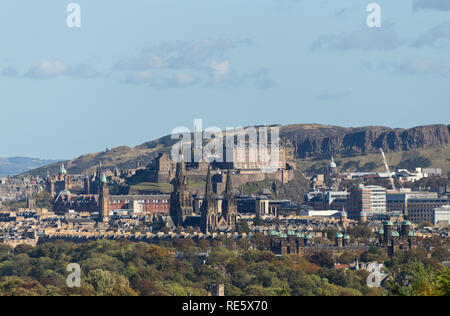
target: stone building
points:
(58, 183)
(216, 217)
(181, 202)
(394, 241)
(290, 243)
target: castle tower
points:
(405, 229)
(208, 210)
(338, 240)
(104, 200)
(395, 245)
(387, 230)
(412, 239)
(181, 204)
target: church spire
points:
(209, 193)
(229, 200)
(180, 175)
(229, 186)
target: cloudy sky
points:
(135, 69)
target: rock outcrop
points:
(311, 140)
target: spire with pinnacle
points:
(209, 193)
(180, 176)
(229, 200)
(229, 186)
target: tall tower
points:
(181, 205)
(31, 202)
(104, 200)
(388, 229)
(98, 179)
(87, 185)
(208, 210)
(229, 207)
(331, 173)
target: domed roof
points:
(347, 237)
(388, 223)
(332, 163)
(62, 170)
(412, 234)
(291, 233)
(381, 231)
(308, 236)
(406, 223)
(339, 235)
(283, 235)
(104, 178)
(395, 234)
(273, 233)
(300, 235)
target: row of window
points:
(141, 201)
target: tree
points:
(360, 231)
(243, 227)
(258, 220)
(443, 281)
(106, 283)
(323, 259)
(419, 280)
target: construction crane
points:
(391, 178)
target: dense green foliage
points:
(183, 267)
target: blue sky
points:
(137, 69)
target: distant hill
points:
(17, 165)
(311, 142)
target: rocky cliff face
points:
(311, 140)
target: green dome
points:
(62, 170)
(406, 223)
(388, 223)
(308, 236)
(339, 235)
(104, 178)
(273, 233)
(283, 235)
(346, 237)
(291, 233)
(395, 234)
(381, 231)
(412, 234)
(300, 235)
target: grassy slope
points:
(438, 157)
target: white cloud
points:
(185, 79)
(180, 64)
(422, 66)
(167, 80)
(48, 68)
(220, 70)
